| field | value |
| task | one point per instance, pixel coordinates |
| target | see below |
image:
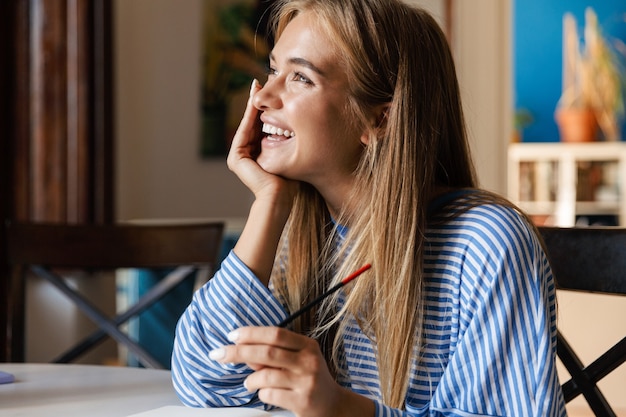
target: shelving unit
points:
(557, 183)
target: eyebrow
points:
(302, 62)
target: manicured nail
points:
(233, 336)
(217, 354)
(253, 86)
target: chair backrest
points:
(112, 246)
(94, 247)
(591, 259)
(588, 259)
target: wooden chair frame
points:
(589, 259)
(47, 249)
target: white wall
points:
(54, 324)
(159, 171)
(482, 48)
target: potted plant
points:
(522, 119)
(594, 84)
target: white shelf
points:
(547, 179)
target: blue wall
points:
(537, 37)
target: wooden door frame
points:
(56, 122)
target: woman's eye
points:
(301, 78)
(297, 76)
(270, 71)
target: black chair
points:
(588, 259)
(49, 250)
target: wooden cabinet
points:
(563, 184)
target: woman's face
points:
(309, 135)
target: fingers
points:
(255, 355)
(249, 120)
(249, 115)
(277, 387)
(275, 336)
(269, 377)
(290, 370)
(244, 142)
(246, 147)
(271, 347)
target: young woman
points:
(356, 152)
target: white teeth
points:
(273, 130)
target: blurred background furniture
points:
(57, 148)
(560, 183)
(588, 259)
(52, 250)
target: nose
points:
(267, 97)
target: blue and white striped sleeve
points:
(233, 298)
(503, 358)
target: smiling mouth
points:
(277, 131)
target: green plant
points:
(593, 74)
(523, 118)
(233, 55)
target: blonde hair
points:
(396, 56)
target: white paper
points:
(182, 411)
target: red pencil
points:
(326, 294)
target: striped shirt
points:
(489, 338)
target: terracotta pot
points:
(577, 125)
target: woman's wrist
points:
(256, 247)
(355, 405)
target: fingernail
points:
(253, 86)
(233, 336)
(217, 354)
(245, 384)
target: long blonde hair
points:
(396, 56)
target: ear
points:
(376, 122)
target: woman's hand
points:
(291, 373)
(244, 150)
(274, 195)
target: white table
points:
(83, 390)
(44, 390)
